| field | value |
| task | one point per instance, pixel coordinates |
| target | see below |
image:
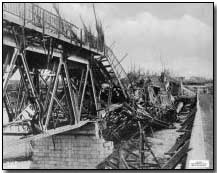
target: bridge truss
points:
(53, 72)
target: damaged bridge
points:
(66, 94)
(59, 71)
(60, 68)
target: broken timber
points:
(177, 157)
(179, 142)
(50, 132)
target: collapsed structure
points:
(157, 103)
(68, 77)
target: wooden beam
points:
(53, 94)
(8, 74)
(179, 142)
(174, 160)
(48, 133)
(78, 59)
(94, 91)
(83, 92)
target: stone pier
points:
(78, 149)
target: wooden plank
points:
(174, 160)
(78, 59)
(15, 134)
(111, 165)
(124, 162)
(184, 130)
(11, 42)
(187, 123)
(49, 133)
(178, 143)
(189, 117)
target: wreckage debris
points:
(178, 151)
(135, 153)
(60, 93)
(123, 128)
(122, 121)
(119, 123)
(151, 109)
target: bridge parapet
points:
(196, 157)
(34, 17)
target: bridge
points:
(59, 81)
(61, 70)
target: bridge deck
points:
(33, 17)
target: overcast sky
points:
(178, 36)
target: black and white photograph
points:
(105, 85)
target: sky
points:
(176, 36)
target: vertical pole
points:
(43, 22)
(59, 26)
(94, 90)
(110, 93)
(24, 15)
(81, 37)
(6, 62)
(23, 80)
(32, 87)
(20, 87)
(22, 102)
(73, 101)
(33, 16)
(68, 100)
(28, 75)
(141, 145)
(49, 87)
(8, 75)
(82, 96)
(8, 108)
(53, 94)
(80, 85)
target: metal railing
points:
(118, 69)
(31, 13)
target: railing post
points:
(33, 19)
(81, 37)
(59, 26)
(43, 22)
(24, 15)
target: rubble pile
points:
(123, 128)
(167, 114)
(120, 123)
(151, 104)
